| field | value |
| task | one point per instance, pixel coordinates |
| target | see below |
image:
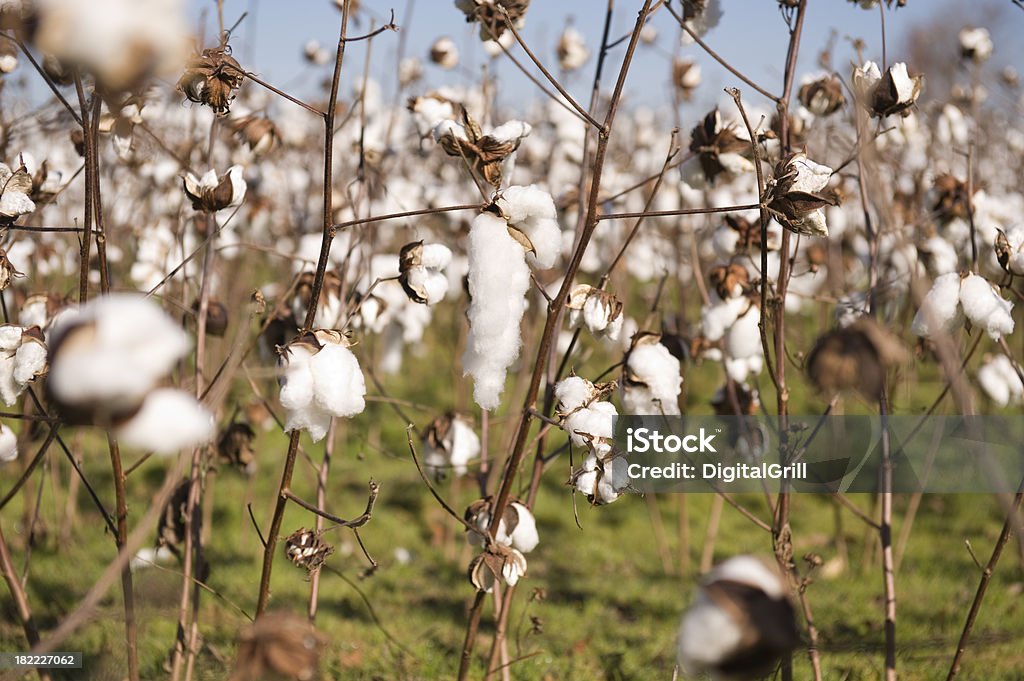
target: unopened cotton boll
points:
(940, 309)
(106, 356)
(8, 444)
(170, 420)
(984, 307)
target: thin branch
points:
(341, 522)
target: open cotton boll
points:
(510, 132)
(1000, 381)
(744, 354)
(8, 444)
(653, 366)
(436, 256)
(113, 351)
(29, 360)
(148, 556)
(983, 305)
(531, 210)
(498, 281)
(338, 381)
(523, 536)
(431, 284)
(940, 309)
(572, 393)
(592, 426)
(170, 420)
(10, 336)
(297, 380)
(603, 481)
(720, 315)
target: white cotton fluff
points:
(572, 393)
(431, 283)
(940, 309)
(1000, 381)
(1015, 240)
(463, 447)
(708, 18)
(718, 317)
(170, 420)
(655, 367)
(29, 360)
(942, 257)
(592, 427)
(10, 336)
(596, 316)
(316, 386)
(744, 354)
(149, 556)
(983, 305)
(127, 346)
(511, 132)
(8, 444)
(498, 281)
(531, 210)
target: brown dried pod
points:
(897, 92)
(216, 317)
(729, 281)
(484, 153)
(854, 358)
(496, 562)
(951, 199)
(307, 549)
(278, 645)
(822, 97)
(798, 192)
(490, 14)
(170, 530)
(7, 270)
(211, 78)
(235, 446)
(258, 133)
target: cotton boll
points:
(10, 336)
(110, 353)
(29, 360)
(743, 350)
(338, 380)
(720, 315)
(940, 309)
(572, 393)
(170, 420)
(531, 210)
(149, 556)
(432, 285)
(8, 444)
(984, 307)
(1000, 381)
(498, 281)
(652, 381)
(942, 258)
(297, 379)
(592, 427)
(602, 481)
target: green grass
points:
(597, 602)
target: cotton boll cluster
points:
(598, 310)
(953, 297)
(975, 44)
(572, 50)
(651, 381)
(22, 359)
(499, 278)
(106, 363)
(588, 421)
(449, 445)
(504, 556)
(740, 623)
(320, 379)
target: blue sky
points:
(751, 34)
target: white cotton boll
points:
(865, 79)
(572, 50)
(743, 349)
(510, 132)
(339, 386)
(531, 210)
(603, 481)
(464, 447)
(29, 360)
(10, 336)
(975, 44)
(170, 420)
(149, 556)
(493, 47)
(655, 367)
(310, 419)
(811, 177)
(113, 351)
(940, 309)
(707, 635)
(524, 537)
(498, 281)
(951, 127)
(709, 16)
(9, 388)
(435, 256)
(433, 284)
(901, 80)
(1000, 381)
(983, 305)
(942, 257)
(591, 426)
(572, 393)
(8, 444)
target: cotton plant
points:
(449, 445)
(487, 152)
(954, 297)
(422, 271)
(998, 377)
(651, 379)
(587, 418)
(519, 231)
(320, 380)
(108, 360)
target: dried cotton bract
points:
(740, 624)
(718, 148)
(212, 78)
(491, 15)
(320, 379)
(485, 153)
(500, 246)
